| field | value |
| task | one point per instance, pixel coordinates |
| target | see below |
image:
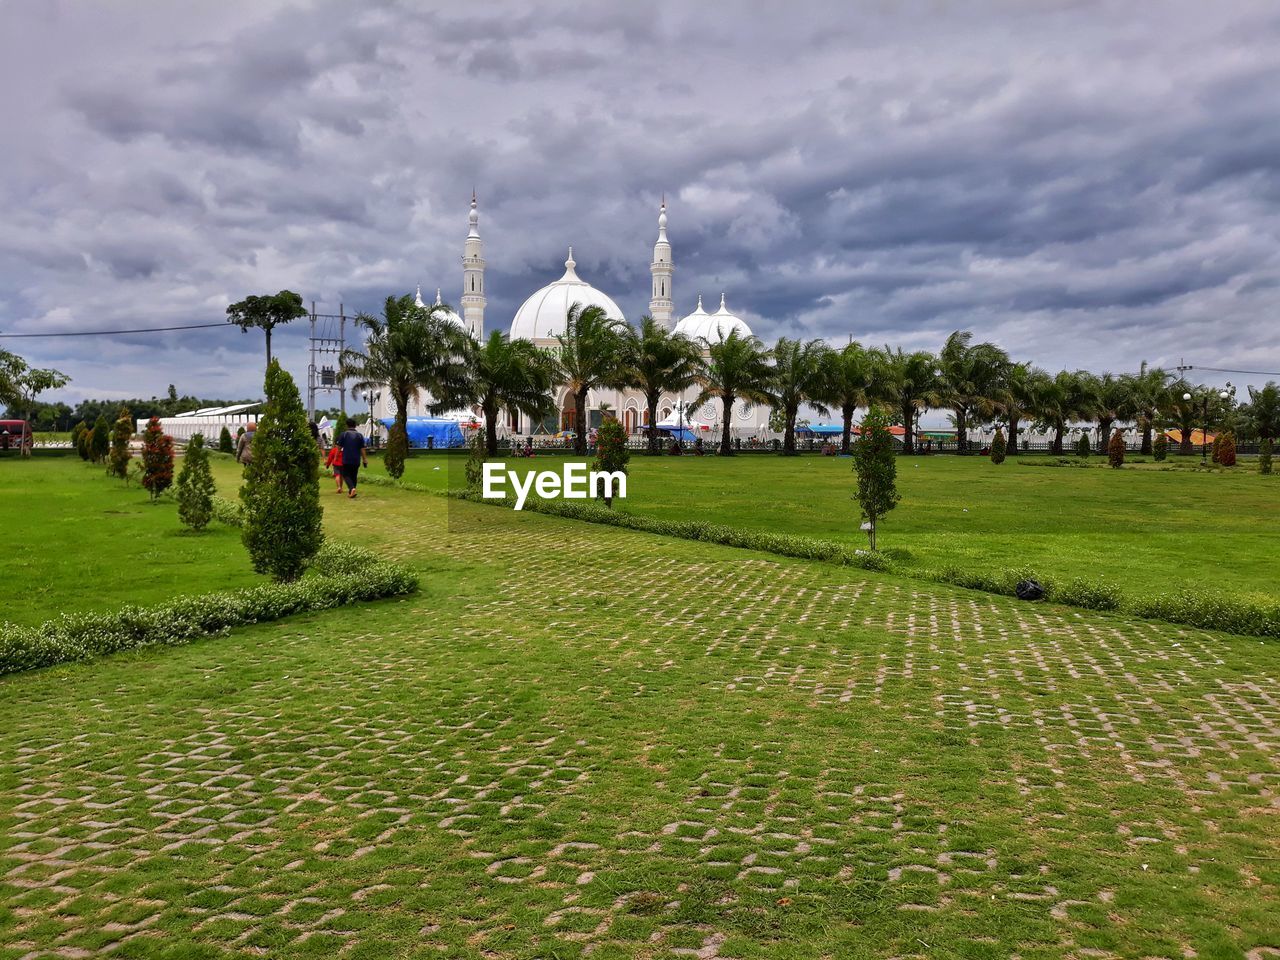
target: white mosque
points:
(542, 317)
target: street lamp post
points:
(1204, 421)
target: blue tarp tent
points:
(442, 433)
(684, 436)
(822, 429)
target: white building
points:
(541, 318)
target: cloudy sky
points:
(1088, 184)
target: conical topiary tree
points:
(157, 458)
(99, 440)
(225, 443)
(1160, 450)
(1116, 450)
(79, 439)
(998, 447)
(1215, 447)
(281, 496)
(1227, 450)
(611, 451)
(876, 465)
(121, 433)
(195, 486)
(476, 456)
(1082, 446)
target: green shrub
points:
(1116, 450)
(1161, 449)
(1264, 457)
(998, 447)
(195, 486)
(1087, 593)
(876, 465)
(1252, 617)
(340, 575)
(99, 440)
(611, 451)
(397, 449)
(78, 434)
(225, 443)
(121, 434)
(282, 528)
(476, 457)
(1082, 446)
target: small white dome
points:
(542, 316)
(449, 315)
(711, 327)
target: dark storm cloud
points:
(1090, 184)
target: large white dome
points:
(542, 316)
(711, 327)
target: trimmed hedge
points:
(339, 575)
(1244, 615)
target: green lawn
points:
(1145, 528)
(78, 541)
(579, 741)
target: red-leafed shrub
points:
(1227, 450)
(157, 459)
(1116, 450)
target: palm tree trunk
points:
(1146, 435)
(1104, 432)
(789, 433)
(847, 413)
(1057, 440)
(491, 431)
(908, 416)
(962, 437)
(1185, 447)
(1013, 433)
(652, 402)
(726, 448)
(580, 422)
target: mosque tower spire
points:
(473, 299)
(660, 305)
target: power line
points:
(1254, 373)
(112, 333)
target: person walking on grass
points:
(353, 456)
(334, 462)
(244, 447)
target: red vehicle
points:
(14, 435)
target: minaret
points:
(473, 299)
(660, 306)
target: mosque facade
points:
(541, 319)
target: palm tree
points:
(1264, 410)
(592, 353)
(847, 384)
(1147, 389)
(409, 348)
(796, 378)
(1115, 400)
(971, 378)
(909, 383)
(658, 361)
(506, 374)
(1062, 398)
(1181, 412)
(735, 368)
(1022, 384)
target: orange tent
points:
(1198, 437)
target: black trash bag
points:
(1029, 590)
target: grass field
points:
(78, 541)
(1146, 529)
(581, 741)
